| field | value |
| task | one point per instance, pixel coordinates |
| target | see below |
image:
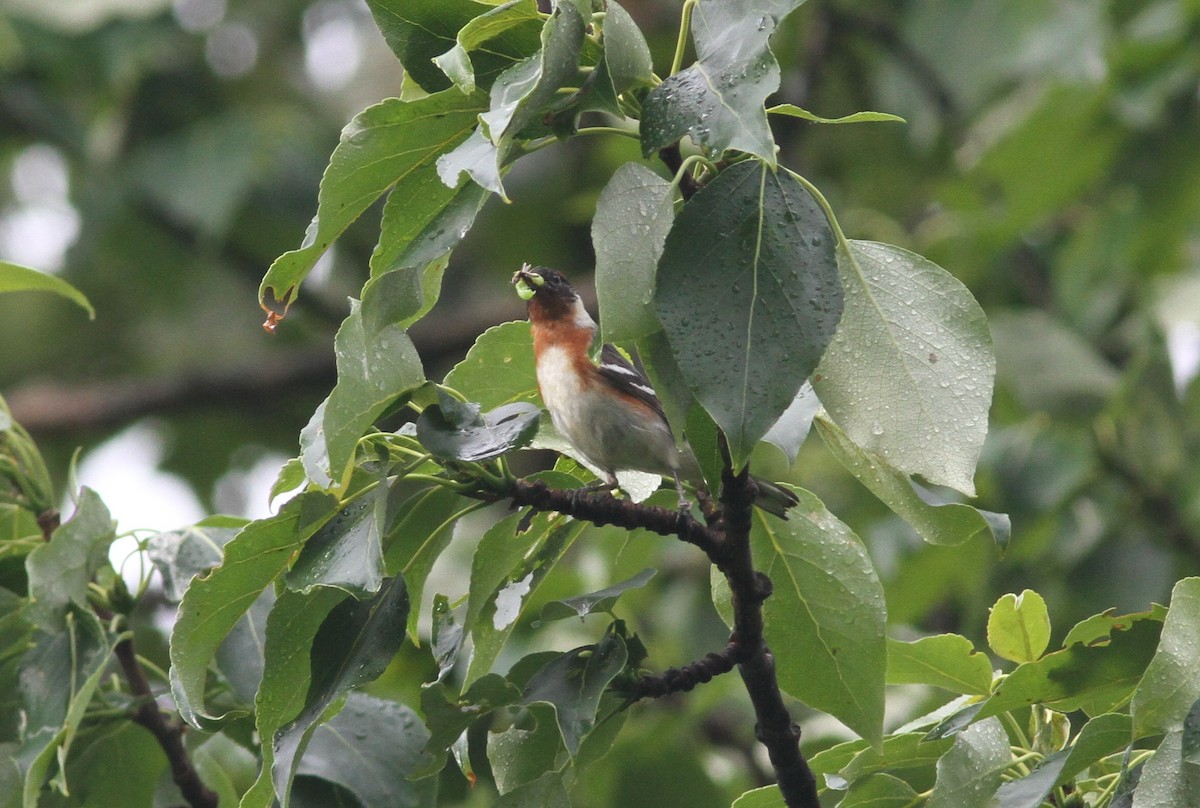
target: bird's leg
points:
(608, 484)
(684, 503)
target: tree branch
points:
(725, 539)
(168, 733)
(774, 729)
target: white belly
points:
(610, 438)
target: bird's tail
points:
(773, 499)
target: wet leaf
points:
(353, 646)
(825, 618)
(385, 741)
(909, 373)
(718, 101)
(518, 96)
(508, 346)
(601, 600)
(60, 570)
(633, 216)
(377, 364)
(214, 603)
(391, 144)
(454, 430)
(937, 521)
(1171, 684)
(749, 297)
(489, 26)
(969, 774)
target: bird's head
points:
(545, 284)
(551, 298)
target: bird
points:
(607, 411)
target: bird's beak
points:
(527, 282)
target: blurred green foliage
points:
(1049, 162)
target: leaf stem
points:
(685, 25)
(825, 206)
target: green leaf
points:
(447, 636)
(16, 278)
(1104, 735)
(627, 58)
(371, 748)
(1095, 678)
(749, 296)
(825, 619)
(547, 791)
(794, 111)
(574, 683)
(353, 646)
(947, 661)
(419, 30)
(633, 216)
(414, 248)
(180, 555)
(878, 791)
(125, 748)
(969, 774)
(718, 101)
(239, 659)
(1032, 789)
(453, 430)
(909, 373)
(908, 756)
(420, 529)
(376, 366)
(291, 627)
(492, 24)
(60, 570)
(765, 797)
(393, 143)
(518, 96)
(793, 426)
(506, 570)
(346, 552)
(1018, 627)
(213, 604)
(601, 600)
(941, 523)
(527, 750)
(448, 716)
(58, 678)
(1171, 778)
(1171, 684)
(508, 346)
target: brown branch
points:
(774, 729)
(686, 677)
(725, 539)
(168, 733)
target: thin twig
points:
(168, 733)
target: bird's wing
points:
(628, 380)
